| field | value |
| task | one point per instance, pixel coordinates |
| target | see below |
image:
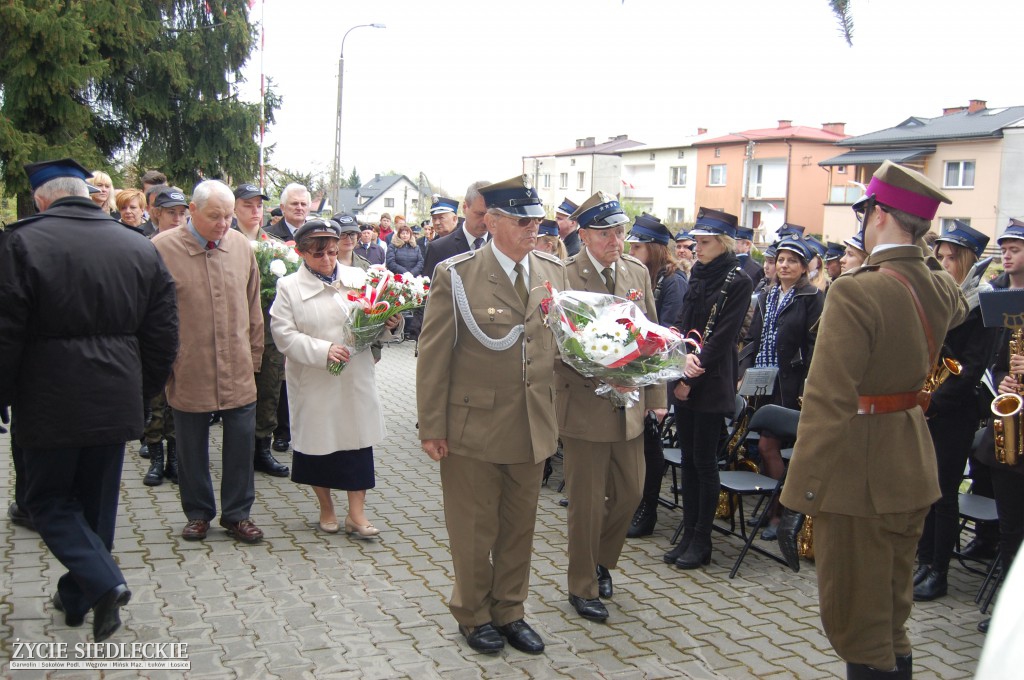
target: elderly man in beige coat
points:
(221, 348)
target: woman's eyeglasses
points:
(323, 254)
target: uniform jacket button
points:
(809, 495)
(465, 400)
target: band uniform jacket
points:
(871, 342)
(794, 341)
(440, 249)
(493, 406)
(581, 413)
(88, 326)
(753, 269)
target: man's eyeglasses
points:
(325, 253)
(525, 221)
(864, 208)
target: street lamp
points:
(335, 176)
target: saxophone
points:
(1009, 434)
(945, 367)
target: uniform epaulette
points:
(572, 258)
(632, 258)
(458, 259)
(863, 268)
(547, 256)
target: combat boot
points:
(155, 474)
(171, 469)
(644, 519)
(264, 461)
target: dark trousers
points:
(1009, 488)
(18, 458)
(283, 430)
(237, 491)
(268, 391)
(952, 438)
(72, 496)
(699, 438)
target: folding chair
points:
(974, 508)
(739, 484)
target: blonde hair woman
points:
(104, 198)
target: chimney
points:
(976, 105)
(834, 128)
(953, 109)
(702, 131)
(589, 141)
(618, 138)
(783, 124)
(376, 178)
(580, 142)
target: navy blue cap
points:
(1013, 230)
(788, 229)
(816, 246)
(42, 172)
(962, 235)
(514, 197)
(714, 223)
(318, 227)
(795, 245)
(771, 251)
(834, 250)
(168, 197)
(566, 207)
(347, 223)
(649, 229)
(683, 235)
(745, 234)
(249, 191)
(600, 211)
(443, 205)
(547, 228)
(856, 241)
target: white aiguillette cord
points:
(461, 302)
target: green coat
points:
(871, 342)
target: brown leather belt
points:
(890, 403)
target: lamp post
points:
(335, 176)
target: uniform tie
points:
(478, 243)
(520, 284)
(210, 245)
(609, 280)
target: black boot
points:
(264, 461)
(171, 469)
(905, 666)
(932, 587)
(859, 671)
(155, 474)
(675, 553)
(698, 553)
(789, 528)
(644, 519)
(921, 572)
(548, 469)
(143, 449)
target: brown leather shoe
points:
(244, 530)
(195, 530)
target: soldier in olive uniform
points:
(602, 443)
(864, 465)
(485, 391)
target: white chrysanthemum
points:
(291, 256)
(278, 268)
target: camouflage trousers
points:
(161, 425)
(268, 390)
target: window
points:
(682, 153)
(572, 161)
(959, 174)
(718, 152)
(652, 155)
(676, 215)
(716, 175)
(563, 180)
(389, 203)
(840, 169)
(678, 176)
(547, 181)
(947, 222)
(581, 180)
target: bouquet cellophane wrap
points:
(611, 339)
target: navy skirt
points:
(343, 470)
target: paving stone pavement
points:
(305, 604)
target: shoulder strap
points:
(929, 336)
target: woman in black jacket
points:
(714, 308)
(782, 336)
(954, 412)
(648, 242)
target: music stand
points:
(758, 382)
(1002, 308)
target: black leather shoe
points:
(18, 516)
(788, 529)
(905, 666)
(521, 636)
(589, 609)
(770, 534)
(674, 554)
(171, 462)
(281, 444)
(70, 619)
(264, 461)
(144, 450)
(564, 502)
(932, 587)
(155, 473)
(859, 671)
(983, 625)
(698, 554)
(105, 616)
(604, 582)
(644, 519)
(921, 572)
(980, 550)
(483, 638)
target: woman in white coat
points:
(335, 419)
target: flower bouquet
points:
(275, 259)
(607, 337)
(379, 295)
